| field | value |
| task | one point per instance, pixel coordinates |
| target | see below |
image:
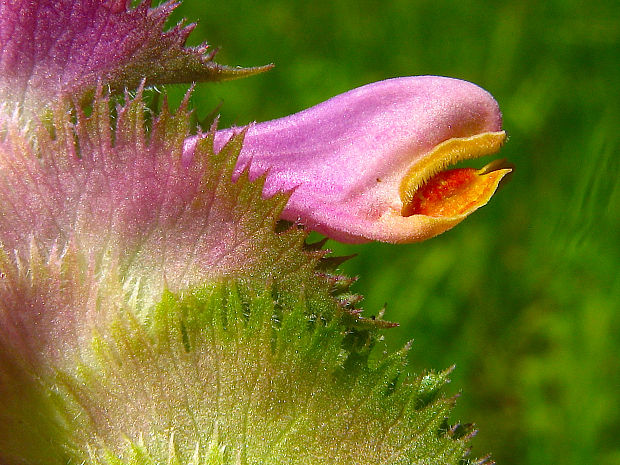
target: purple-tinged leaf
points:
(122, 200)
(54, 49)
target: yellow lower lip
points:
(452, 193)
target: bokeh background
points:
(524, 296)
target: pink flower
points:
(371, 164)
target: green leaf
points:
(223, 375)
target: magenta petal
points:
(344, 159)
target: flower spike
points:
(371, 164)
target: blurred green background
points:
(524, 296)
